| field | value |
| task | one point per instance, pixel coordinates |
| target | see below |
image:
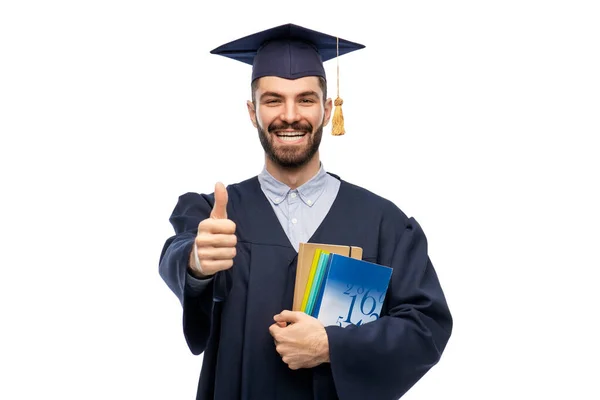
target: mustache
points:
(296, 126)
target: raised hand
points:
(216, 240)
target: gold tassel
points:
(338, 117)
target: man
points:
(232, 260)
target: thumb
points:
(289, 316)
(219, 210)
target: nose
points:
(290, 113)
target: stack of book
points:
(334, 285)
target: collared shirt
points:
(300, 211)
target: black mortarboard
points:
(290, 51)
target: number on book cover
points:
(368, 303)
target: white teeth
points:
(290, 134)
(289, 138)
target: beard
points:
(291, 157)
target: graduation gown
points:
(229, 320)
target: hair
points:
(322, 85)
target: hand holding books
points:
(303, 343)
(334, 286)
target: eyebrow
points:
(279, 96)
(270, 94)
(309, 93)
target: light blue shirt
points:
(300, 211)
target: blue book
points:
(353, 292)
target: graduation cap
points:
(290, 51)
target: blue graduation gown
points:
(229, 320)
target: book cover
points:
(306, 254)
(353, 292)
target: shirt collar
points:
(278, 191)
(275, 190)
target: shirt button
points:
(277, 200)
(293, 195)
(294, 220)
(309, 202)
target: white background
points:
(480, 119)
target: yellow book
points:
(317, 282)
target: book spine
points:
(310, 282)
(317, 283)
(317, 307)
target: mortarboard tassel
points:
(338, 116)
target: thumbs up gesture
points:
(216, 239)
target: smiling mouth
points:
(289, 135)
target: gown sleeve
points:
(195, 295)
(383, 359)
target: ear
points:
(328, 110)
(252, 112)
